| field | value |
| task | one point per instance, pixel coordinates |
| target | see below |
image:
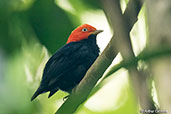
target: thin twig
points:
(146, 55)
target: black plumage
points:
(65, 69)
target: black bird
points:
(66, 68)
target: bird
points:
(66, 68)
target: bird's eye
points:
(84, 29)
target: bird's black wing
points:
(62, 61)
(74, 58)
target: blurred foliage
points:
(29, 30)
(85, 5)
(47, 21)
(50, 23)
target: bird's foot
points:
(65, 98)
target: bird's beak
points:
(97, 32)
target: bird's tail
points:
(39, 91)
(53, 92)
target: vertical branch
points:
(121, 25)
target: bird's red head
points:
(82, 32)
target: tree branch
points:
(146, 55)
(121, 25)
(80, 93)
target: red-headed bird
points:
(65, 69)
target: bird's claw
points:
(66, 97)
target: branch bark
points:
(81, 92)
